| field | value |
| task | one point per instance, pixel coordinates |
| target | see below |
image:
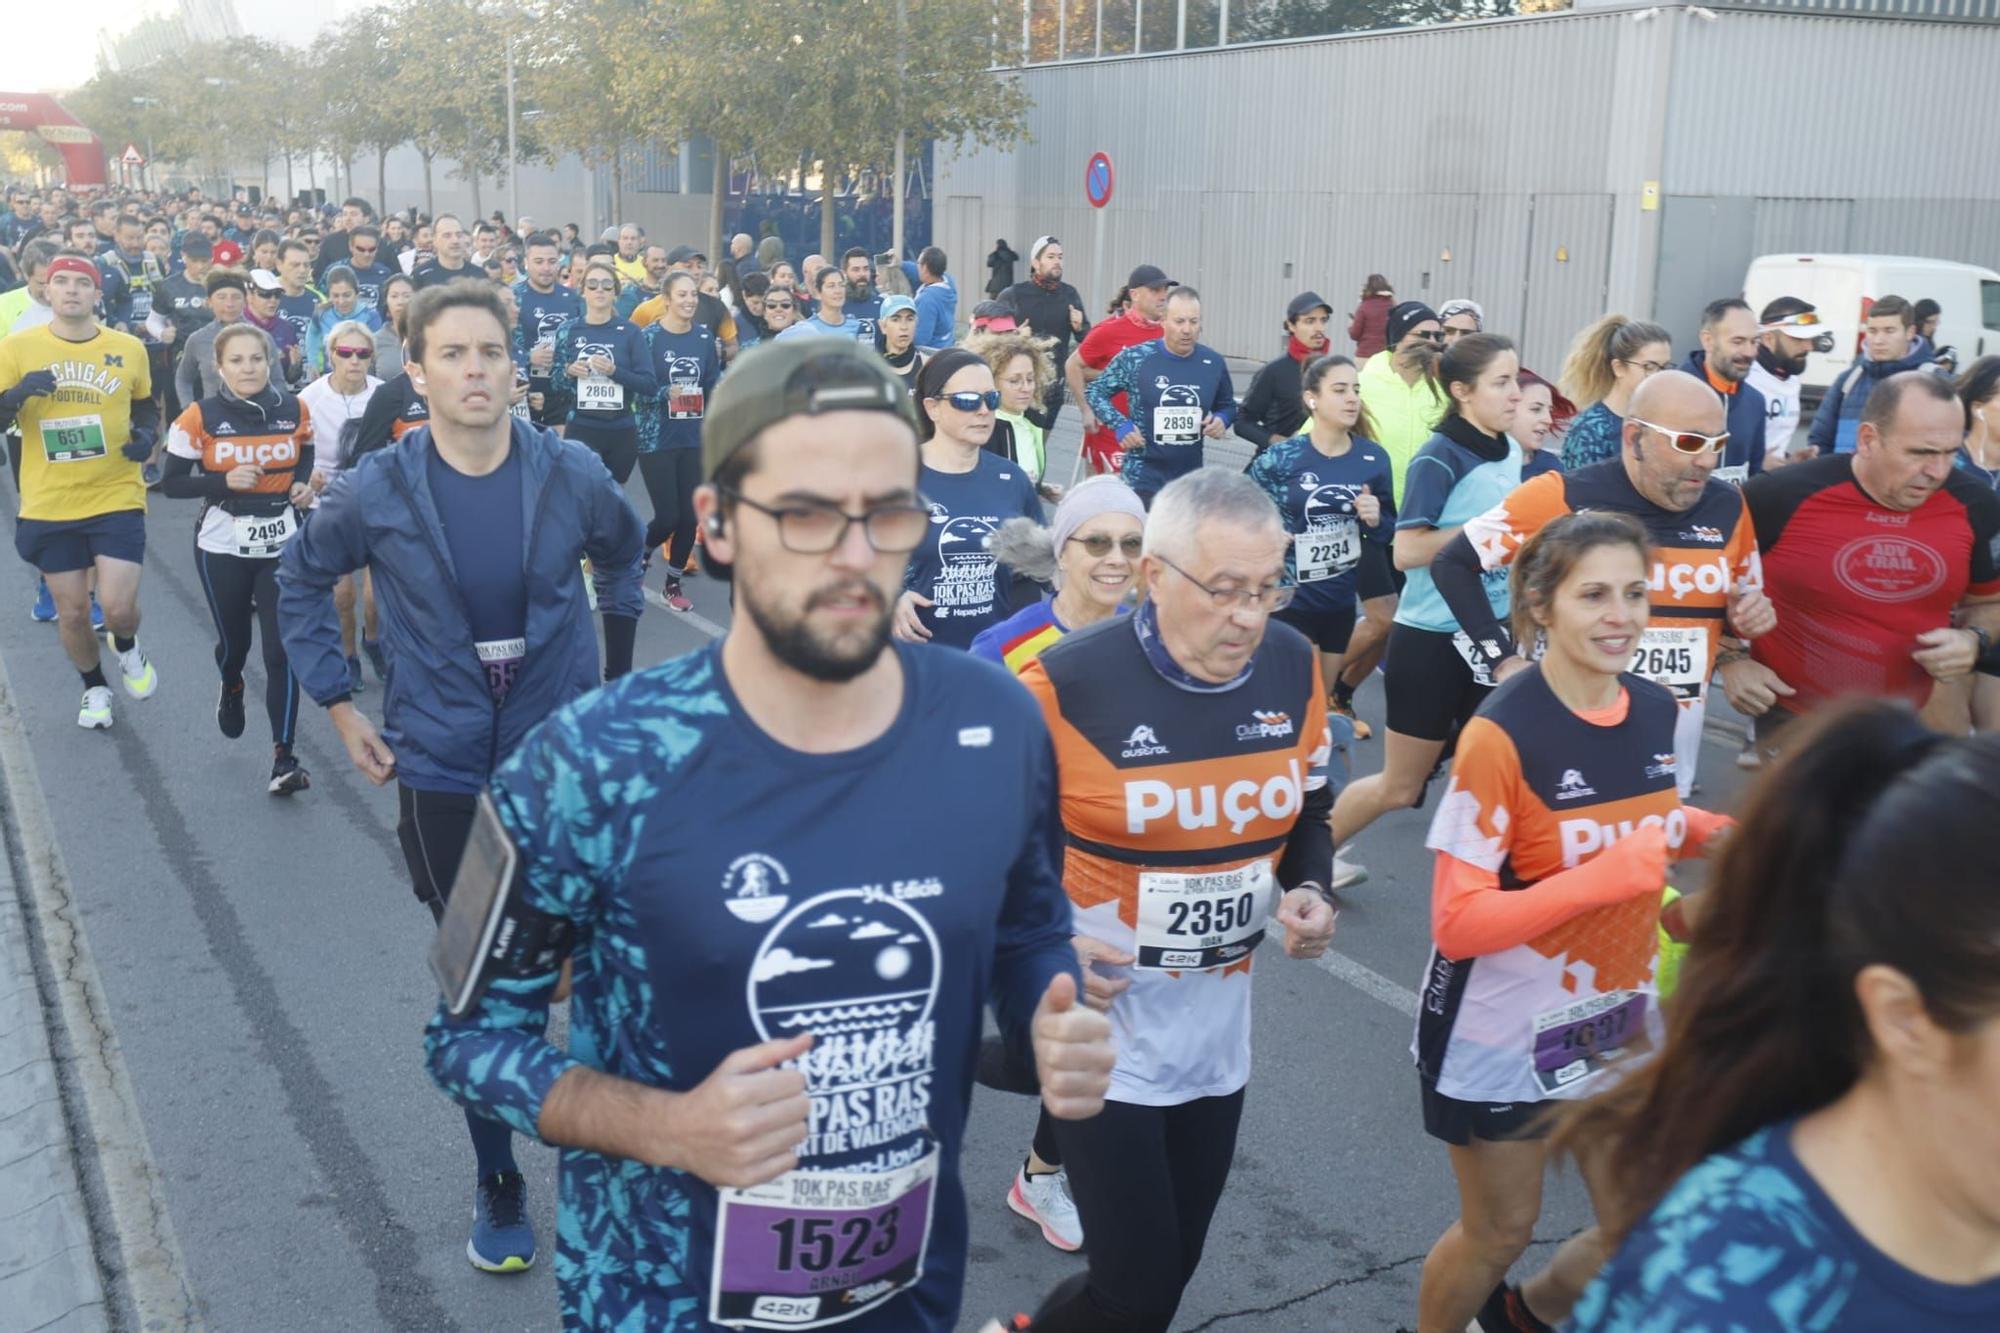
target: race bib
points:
(519, 409)
(1576, 1041)
(684, 400)
(1735, 476)
(502, 660)
(259, 535)
(596, 393)
(1176, 425)
(1676, 658)
(1330, 549)
(73, 439)
(1190, 923)
(814, 1248)
(142, 304)
(1482, 670)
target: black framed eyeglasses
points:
(1099, 544)
(1275, 597)
(969, 401)
(813, 529)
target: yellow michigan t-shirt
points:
(71, 464)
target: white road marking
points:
(1369, 982)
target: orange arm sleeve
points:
(1472, 915)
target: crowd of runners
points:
(780, 881)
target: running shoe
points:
(1045, 1200)
(1748, 759)
(379, 660)
(96, 614)
(229, 710)
(675, 599)
(140, 678)
(356, 682)
(150, 474)
(44, 610)
(1506, 1312)
(287, 776)
(1362, 731)
(502, 1239)
(95, 715)
(1346, 874)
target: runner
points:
(1728, 351)
(544, 304)
(1535, 426)
(895, 337)
(686, 362)
(1178, 393)
(1332, 485)
(1399, 385)
(829, 318)
(1051, 308)
(1024, 373)
(452, 258)
(864, 303)
(371, 275)
(197, 376)
(1274, 409)
(1127, 326)
(1843, 1162)
(1187, 705)
(343, 305)
(741, 1156)
(247, 455)
(484, 648)
(1884, 565)
(1552, 843)
(299, 302)
(82, 396)
(604, 366)
(396, 295)
(1788, 332)
(1706, 579)
(263, 295)
(1459, 317)
(1432, 684)
(1606, 365)
(1890, 346)
(952, 585)
(337, 403)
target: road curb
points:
(139, 1275)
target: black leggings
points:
(671, 476)
(617, 443)
(242, 591)
(1146, 1180)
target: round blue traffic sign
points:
(1097, 180)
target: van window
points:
(1989, 303)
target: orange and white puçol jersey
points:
(1536, 790)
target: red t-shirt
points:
(1105, 341)
(1855, 582)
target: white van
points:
(1842, 287)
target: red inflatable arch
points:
(38, 114)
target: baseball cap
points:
(793, 377)
(228, 254)
(1041, 243)
(681, 254)
(1150, 275)
(895, 305)
(265, 281)
(1305, 301)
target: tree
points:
(582, 65)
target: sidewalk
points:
(48, 1270)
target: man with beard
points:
(1052, 309)
(485, 648)
(1728, 350)
(857, 842)
(1790, 329)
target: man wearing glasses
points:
(1404, 403)
(1790, 330)
(805, 859)
(1192, 750)
(1707, 580)
(364, 255)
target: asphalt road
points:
(264, 962)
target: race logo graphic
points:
(1663, 766)
(586, 350)
(1142, 744)
(1701, 532)
(966, 569)
(1889, 569)
(755, 884)
(1176, 413)
(1572, 787)
(684, 395)
(1264, 726)
(858, 968)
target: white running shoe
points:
(140, 678)
(1346, 874)
(1045, 1201)
(1748, 757)
(95, 715)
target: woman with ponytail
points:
(1606, 363)
(1817, 1144)
(1552, 845)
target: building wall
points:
(1520, 146)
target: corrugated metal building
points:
(1551, 167)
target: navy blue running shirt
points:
(482, 522)
(967, 588)
(725, 891)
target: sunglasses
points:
(1689, 441)
(970, 402)
(361, 249)
(777, 305)
(259, 291)
(1099, 544)
(600, 286)
(354, 353)
(1435, 335)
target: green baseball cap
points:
(797, 377)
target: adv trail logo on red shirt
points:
(1889, 569)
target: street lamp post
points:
(902, 72)
(513, 165)
(146, 172)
